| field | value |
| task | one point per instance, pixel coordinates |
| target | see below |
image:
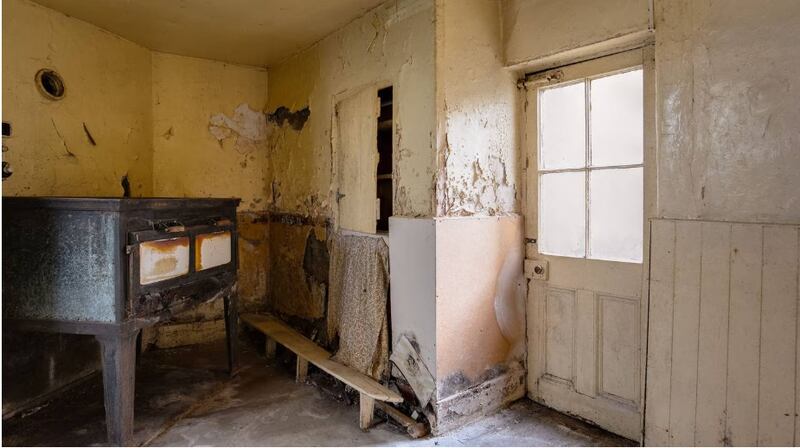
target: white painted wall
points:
(728, 102)
(723, 354)
(534, 29)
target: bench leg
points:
(270, 347)
(367, 411)
(302, 370)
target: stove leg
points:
(232, 333)
(119, 374)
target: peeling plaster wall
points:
(534, 29)
(210, 140)
(728, 102)
(390, 45)
(108, 91)
(477, 162)
(189, 160)
(480, 327)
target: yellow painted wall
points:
(390, 45)
(107, 83)
(188, 160)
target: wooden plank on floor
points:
(659, 352)
(778, 337)
(744, 332)
(311, 352)
(712, 355)
(683, 386)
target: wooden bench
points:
(308, 352)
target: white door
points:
(356, 160)
(586, 239)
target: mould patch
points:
(296, 120)
(316, 259)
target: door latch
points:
(536, 269)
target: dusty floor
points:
(184, 398)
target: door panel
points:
(585, 315)
(619, 351)
(357, 160)
(560, 324)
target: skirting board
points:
(471, 404)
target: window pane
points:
(615, 214)
(616, 119)
(562, 214)
(562, 130)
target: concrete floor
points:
(184, 398)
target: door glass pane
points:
(616, 119)
(615, 214)
(562, 130)
(562, 214)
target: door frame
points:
(593, 65)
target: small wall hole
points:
(50, 84)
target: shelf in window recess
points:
(384, 177)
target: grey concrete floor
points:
(184, 398)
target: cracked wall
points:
(393, 45)
(51, 152)
(210, 140)
(477, 157)
(107, 98)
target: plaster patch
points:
(247, 126)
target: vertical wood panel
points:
(683, 400)
(778, 337)
(743, 335)
(586, 343)
(659, 351)
(713, 332)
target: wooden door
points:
(586, 240)
(356, 160)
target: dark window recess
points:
(385, 189)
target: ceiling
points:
(252, 32)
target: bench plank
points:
(311, 352)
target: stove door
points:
(163, 259)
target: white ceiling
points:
(252, 32)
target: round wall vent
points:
(50, 84)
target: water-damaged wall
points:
(99, 132)
(480, 339)
(477, 158)
(210, 140)
(390, 45)
(82, 144)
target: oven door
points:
(172, 254)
